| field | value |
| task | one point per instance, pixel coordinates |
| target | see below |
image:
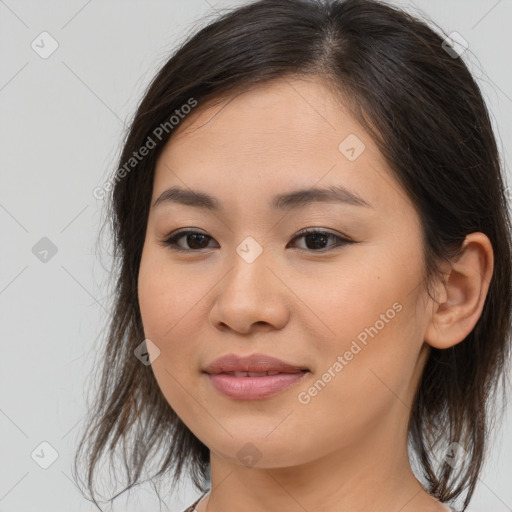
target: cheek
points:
(167, 316)
(370, 320)
(167, 300)
(352, 298)
(173, 311)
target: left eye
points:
(318, 236)
(198, 240)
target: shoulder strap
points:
(192, 507)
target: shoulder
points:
(192, 507)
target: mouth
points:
(257, 374)
(252, 377)
(252, 365)
(240, 385)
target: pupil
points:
(316, 237)
(195, 235)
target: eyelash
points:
(170, 241)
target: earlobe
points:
(462, 294)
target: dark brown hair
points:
(425, 111)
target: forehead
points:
(285, 134)
(284, 113)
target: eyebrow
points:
(288, 201)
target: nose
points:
(251, 297)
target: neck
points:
(368, 474)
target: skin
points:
(346, 448)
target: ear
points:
(461, 297)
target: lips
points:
(254, 365)
(252, 374)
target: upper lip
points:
(252, 363)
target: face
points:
(346, 303)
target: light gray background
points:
(60, 133)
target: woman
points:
(313, 293)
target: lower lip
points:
(253, 388)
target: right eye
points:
(194, 239)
